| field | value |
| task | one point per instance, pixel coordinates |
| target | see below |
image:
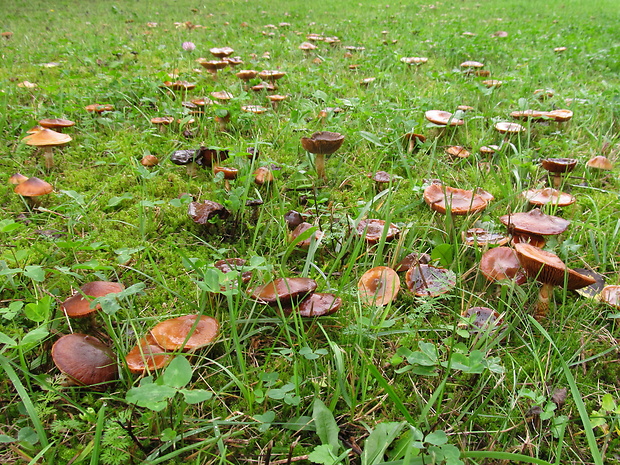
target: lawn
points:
(397, 378)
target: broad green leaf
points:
(39, 311)
(323, 454)
(150, 395)
(326, 426)
(4, 339)
(436, 438)
(178, 373)
(195, 396)
(34, 336)
(608, 403)
(379, 440)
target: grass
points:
(405, 383)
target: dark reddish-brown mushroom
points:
(320, 144)
(319, 304)
(557, 167)
(84, 359)
(302, 228)
(146, 356)
(372, 230)
(502, 263)
(550, 196)
(458, 201)
(429, 281)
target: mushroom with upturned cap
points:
(320, 144)
(378, 286)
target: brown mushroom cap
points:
(221, 52)
(412, 259)
(529, 114)
(481, 237)
(165, 120)
(458, 201)
(502, 263)
(271, 75)
(600, 163)
(559, 165)
(213, 65)
(147, 355)
(247, 74)
(548, 195)
(319, 304)
(84, 359)
(234, 264)
(458, 151)
(256, 109)
(442, 118)
(547, 268)
(283, 290)
(322, 143)
(372, 230)
(535, 222)
(229, 171)
(414, 60)
(222, 95)
(98, 108)
(378, 286)
(560, 115)
(429, 281)
(202, 212)
(484, 318)
(33, 187)
(505, 127)
(172, 334)
(78, 306)
(47, 137)
(300, 229)
(17, 178)
(52, 123)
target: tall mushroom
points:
(47, 139)
(320, 144)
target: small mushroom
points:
(319, 304)
(372, 230)
(413, 140)
(504, 127)
(600, 163)
(57, 124)
(443, 118)
(202, 212)
(458, 201)
(322, 143)
(378, 286)
(162, 122)
(302, 228)
(147, 356)
(457, 151)
(482, 238)
(502, 263)
(99, 108)
(213, 66)
(187, 333)
(548, 196)
(33, 188)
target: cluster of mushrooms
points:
(85, 360)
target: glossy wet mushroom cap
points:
(535, 222)
(187, 333)
(33, 187)
(85, 359)
(378, 286)
(611, 295)
(600, 163)
(482, 238)
(548, 196)
(302, 228)
(457, 201)
(78, 305)
(412, 259)
(283, 290)
(509, 128)
(319, 304)
(56, 123)
(482, 318)
(546, 267)
(228, 265)
(202, 212)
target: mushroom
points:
(84, 359)
(322, 143)
(534, 115)
(413, 140)
(481, 237)
(557, 167)
(548, 269)
(98, 108)
(533, 225)
(271, 75)
(32, 188)
(504, 127)
(187, 333)
(246, 75)
(547, 196)
(202, 212)
(458, 201)
(414, 60)
(47, 139)
(412, 259)
(611, 295)
(146, 356)
(307, 47)
(458, 151)
(256, 109)
(560, 115)
(17, 178)
(221, 52)
(162, 122)
(56, 123)
(283, 290)
(275, 99)
(372, 230)
(483, 319)
(213, 66)
(149, 160)
(228, 265)
(502, 263)
(429, 281)
(319, 304)
(378, 286)
(443, 118)
(492, 83)
(600, 163)
(79, 304)
(302, 228)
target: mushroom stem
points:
(48, 155)
(557, 180)
(412, 144)
(541, 311)
(319, 163)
